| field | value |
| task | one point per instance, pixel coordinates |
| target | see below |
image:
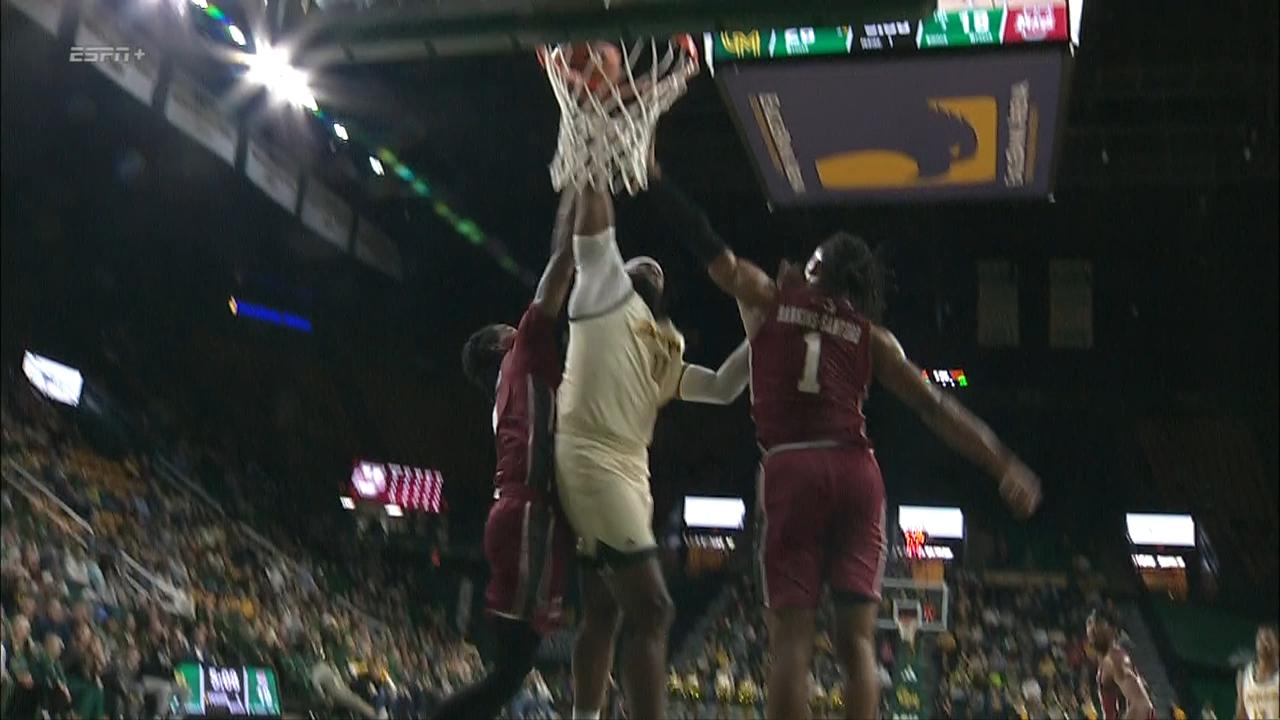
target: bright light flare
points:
(376, 164)
(393, 510)
(270, 68)
(347, 503)
(237, 35)
(341, 131)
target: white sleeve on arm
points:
(602, 283)
(719, 387)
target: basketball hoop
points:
(610, 100)
(906, 616)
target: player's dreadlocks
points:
(850, 268)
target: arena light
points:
(340, 131)
(237, 35)
(253, 311)
(393, 510)
(270, 68)
(347, 503)
(58, 382)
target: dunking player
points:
(814, 349)
(625, 361)
(1121, 690)
(1258, 686)
(526, 542)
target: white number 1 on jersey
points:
(812, 353)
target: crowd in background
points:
(113, 573)
(1011, 653)
(1017, 652)
(96, 616)
(724, 673)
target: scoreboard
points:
(1012, 23)
(400, 486)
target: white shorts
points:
(606, 498)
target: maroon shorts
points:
(528, 545)
(822, 522)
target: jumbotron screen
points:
(409, 488)
(920, 128)
(936, 522)
(1167, 530)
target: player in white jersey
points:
(1258, 685)
(625, 361)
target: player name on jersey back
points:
(822, 322)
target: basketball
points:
(596, 65)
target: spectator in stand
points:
(54, 620)
(86, 661)
(21, 698)
(50, 679)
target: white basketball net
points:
(606, 131)
(907, 615)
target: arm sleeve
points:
(602, 283)
(695, 228)
(718, 387)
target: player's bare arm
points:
(960, 429)
(742, 279)
(717, 387)
(557, 278)
(1137, 701)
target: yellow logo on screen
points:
(741, 44)
(953, 142)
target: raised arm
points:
(960, 429)
(742, 279)
(717, 387)
(557, 278)
(602, 282)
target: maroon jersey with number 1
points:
(821, 495)
(810, 369)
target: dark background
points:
(122, 241)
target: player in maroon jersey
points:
(1122, 693)
(814, 350)
(527, 543)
